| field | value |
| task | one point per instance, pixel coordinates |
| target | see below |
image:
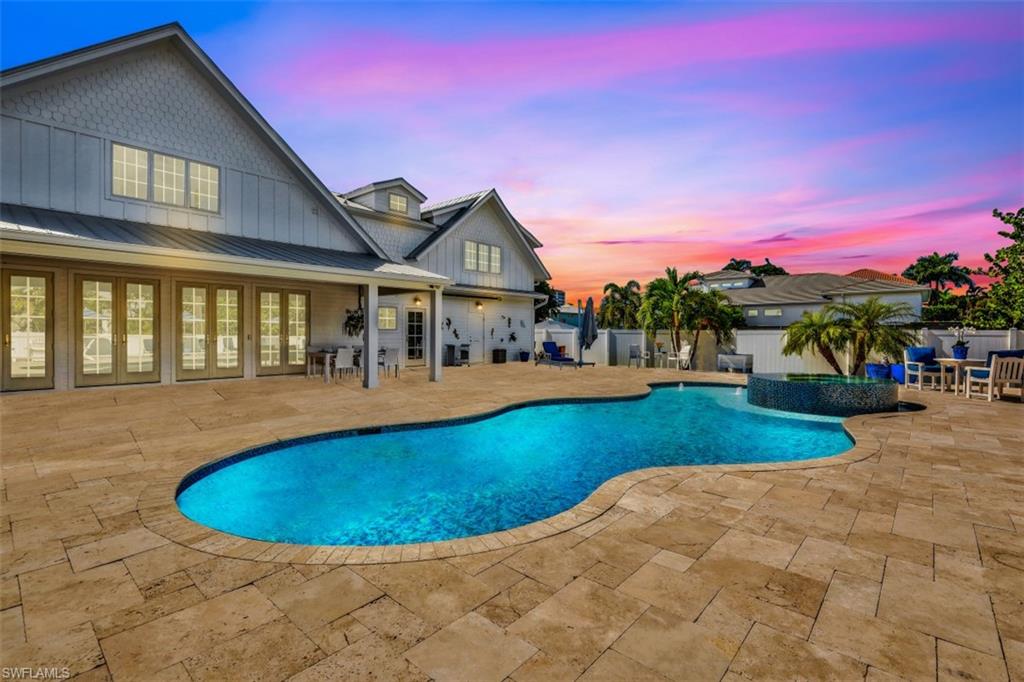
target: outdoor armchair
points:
(919, 362)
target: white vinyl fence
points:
(765, 345)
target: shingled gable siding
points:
(56, 143)
(396, 240)
(487, 227)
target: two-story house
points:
(155, 228)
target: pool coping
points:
(159, 512)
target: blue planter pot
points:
(960, 352)
(899, 373)
(876, 370)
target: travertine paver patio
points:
(904, 561)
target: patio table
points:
(957, 366)
(324, 357)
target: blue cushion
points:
(1003, 354)
(920, 354)
(934, 367)
(979, 372)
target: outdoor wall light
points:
(416, 300)
(479, 305)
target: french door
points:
(414, 345)
(27, 309)
(117, 338)
(209, 318)
(283, 331)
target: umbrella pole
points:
(579, 331)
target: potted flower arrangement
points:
(960, 346)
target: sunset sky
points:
(827, 137)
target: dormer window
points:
(398, 203)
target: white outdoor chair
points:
(344, 363)
(388, 360)
(1003, 372)
(922, 367)
(681, 359)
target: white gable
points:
(57, 133)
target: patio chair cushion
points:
(978, 372)
(925, 354)
(1003, 354)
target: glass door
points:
(27, 309)
(283, 331)
(414, 337)
(116, 321)
(227, 331)
(209, 331)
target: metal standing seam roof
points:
(437, 206)
(26, 221)
(810, 288)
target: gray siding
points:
(485, 226)
(56, 143)
(378, 200)
(396, 240)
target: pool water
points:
(456, 480)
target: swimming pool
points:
(452, 480)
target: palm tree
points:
(819, 332)
(709, 311)
(873, 327)
(619, 305)
(662, 304)
(937, 271)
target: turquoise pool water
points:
(456, 480)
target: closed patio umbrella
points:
(588, 330)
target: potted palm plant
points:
(874, 328)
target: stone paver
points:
(899, 559)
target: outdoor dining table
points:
(958, 367)
(324, 357)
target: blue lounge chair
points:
(552, 356)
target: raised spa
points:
(447, 480)
(823, 394)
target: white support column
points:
(435, 336)
(369, 360)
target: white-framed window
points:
(752, 312)
(168, 179)
(130, 172)
(204, 186)
(483, 257)
(469, 256)
(773, 312)
(496, 259)
(398, 203)
(387, 317)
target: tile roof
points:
(16, 220)
(870, 273)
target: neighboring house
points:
(779, 300)
(569, 314)
(559, 296)
(155, 228)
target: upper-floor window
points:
(398, 203)
(482, 257)
(131, 172)
(387, 317)
(168, 180)
(773, 312)
(752, 312)
(171, 179)
(204, 184)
